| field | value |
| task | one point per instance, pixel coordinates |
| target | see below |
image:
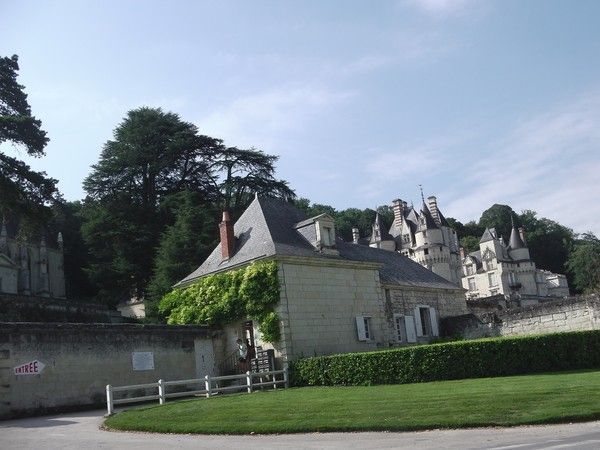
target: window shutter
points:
(409, 322)
(418, 324)
(360, 328)
(434, 321)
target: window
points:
(492, 279)
(406, 238)
(470, 269)
(512, 278)
(426, 321)
(363, 328)
(424, 233)
(490, 265)
(426, 251)
(472, 284)
(400, 327)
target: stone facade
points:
(498, 268)
(321, 303)
(571, 314)
(81, 359)
(29, 268)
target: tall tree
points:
(499, 217)
(23, 192)
(183, 245)
(237, 174)
(549, 242)
(153, 154)
(584, 263)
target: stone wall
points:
(81, 359)
(319, 305)
(404, 300)
(19, 308)
(571, 314)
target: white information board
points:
(142, 360)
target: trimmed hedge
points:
(454, 360)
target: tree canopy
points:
(24, 192)
(584, 263)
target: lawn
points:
(503, 401)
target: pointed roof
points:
(488, 235)
(429, 221)
(515, 240)
(384, 235)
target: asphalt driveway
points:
(81, 430)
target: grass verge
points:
(503, 401)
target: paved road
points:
(80, 431)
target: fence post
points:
(208, 385)
(249, 381)
(109, 399)
(161, 392)
(286, 379)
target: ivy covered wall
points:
(222, 298)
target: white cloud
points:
(549, 163)
(261, 119)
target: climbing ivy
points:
(222, 298)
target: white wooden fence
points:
(210, 387)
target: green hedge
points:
(454, 360)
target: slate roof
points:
(268, 228)
(429, 221)
(515, 240)
(488, 235)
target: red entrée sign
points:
(30, 368)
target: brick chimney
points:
(398, 208)
(355, 235)
(433, 208)
(227, 236)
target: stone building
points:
(30, 268)
(423, 236)
(498, 268)
(335, 296)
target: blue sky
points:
(481, 102)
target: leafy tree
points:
(237, 175)
(549, 242)
(469, 243)
(23, 191)
(68, 221)
(584, 263)
(183, 246)
(499, 217)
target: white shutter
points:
(418, 324)
(410, 329)
(434, 321)
(360, 328)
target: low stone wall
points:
(77, 361)
(19, 308)
(570, 314)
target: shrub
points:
(454, 360)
